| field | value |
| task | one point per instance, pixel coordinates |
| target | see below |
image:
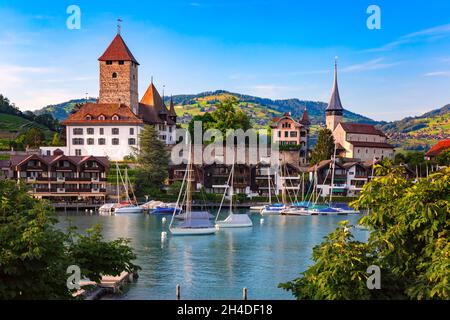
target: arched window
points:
(115, 117)
(114, 75)
(101, 117)
(88, 117)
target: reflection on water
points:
(217, 266)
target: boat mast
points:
(333, 163)
(117, 186)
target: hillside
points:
(260, 110)
(62, 110)
(420, 133)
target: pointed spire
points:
(118, 50)
(172, 112)
(335, 100)
(305, 117)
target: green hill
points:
(420, 133)
(62, 110)
(260, 110)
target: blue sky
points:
(274, 49)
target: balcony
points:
(60, 190)
(60, 179)
(31, 179)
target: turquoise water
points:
(217, 266)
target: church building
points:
(354, 140)
(111, 126)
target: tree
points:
(34, 138)
(153, 162)
(226, 116)
(56, 140)
(174, 188)
(34, 254)
(443, 159)
(324, 148)
(409, 232)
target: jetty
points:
(108, 285)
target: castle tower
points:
(119, 75)
(334, 111)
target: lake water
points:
(217, 266)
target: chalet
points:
(62, 178)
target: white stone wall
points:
(114, 152)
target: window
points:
(286, 134)
(109, 62)
(77, 131)
(78, 152)
(279, 134)
(77, 141)
(90, 141)
(88, 117)
(131, 141)
(90, 130)
(121, 62)
(115, 131)
(114, 75)
(102, 131)
(115, 141)
(115, 117)
(102, 141)
(131, 131)
(367, 150)
(101, 117)
(293, 134)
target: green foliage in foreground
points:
(409, 230)
(34, 254)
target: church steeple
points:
(334, 111)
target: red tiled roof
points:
(369, 144)
(361, 128)
(17, 160)
(108, 110)
(440, 147)
(118, 50)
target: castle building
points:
(354, 140)
(111, 126)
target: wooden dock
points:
(108, 285)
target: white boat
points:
(296, 211)
(273, 209)
(256, 208)
(131, 207)
(107, 209)
(194, 222)
(233, 220)
(128, 209)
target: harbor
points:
(215, 266)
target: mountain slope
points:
(420, 133)
(261, 110)
(61, 111)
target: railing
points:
(60, 190)
(60, 179)
(31, 179)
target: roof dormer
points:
(88, 117)
(115, 117)
(102, 117)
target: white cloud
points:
(375, 64)
(434, 33)
(438, 74)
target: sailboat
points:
(131, 207)
(194, 222)
(233, 220)
(272, 208)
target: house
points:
(62, 178)
(292, 134)
(354, 140)
(111, 126)
(5, 169)
(437, 149)
(348, 179)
